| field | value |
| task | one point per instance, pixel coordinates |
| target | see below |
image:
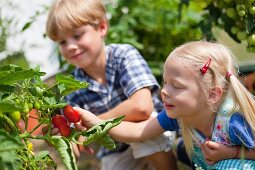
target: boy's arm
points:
(215, 152)
(137, 107)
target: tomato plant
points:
(21, 91)
(236, 17)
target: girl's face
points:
(84, 46)
(181, 93)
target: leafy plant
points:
(236, 17)
(22, 90)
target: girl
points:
(203, 96)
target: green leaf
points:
(10, 77)
(26, 26)
(6, 88)
(67, 84)
(10, 67)
(6, 106)
(97, 133)
(9, 159)
(64, 148)
(107, 142)
(43, 157)
(8, 142)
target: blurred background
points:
(155, 28)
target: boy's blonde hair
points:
(223, 62)
(67, 15)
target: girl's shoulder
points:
(240, 131)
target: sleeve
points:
(135, 72)
(166, 122)
(240, 132)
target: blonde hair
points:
(223, 62)
(67, 15)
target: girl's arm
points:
(125, 131)
(138, 107)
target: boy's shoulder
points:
(120, 47)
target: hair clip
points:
(229, 74)
(206, 66)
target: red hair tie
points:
(229, 74)
(206, 66)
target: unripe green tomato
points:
(15, 116)
(25, 108)
(241, 35)
(231, 13)
(37, 105)
(220, 4)
(251, 39)
(234, 30)
(17, 101)
(241, 13)
(252, 10)
(240, 7)
(30, 105)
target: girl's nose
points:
(164, 92)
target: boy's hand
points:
(214, 152)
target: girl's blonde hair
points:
(67, 15)
(223, 63)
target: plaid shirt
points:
(126, 72)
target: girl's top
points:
(230, 128)
(126, 72)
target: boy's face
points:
(181, 93)
(82, 47)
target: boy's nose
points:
(71, 45)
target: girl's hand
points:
(88, 119)
(214, 152)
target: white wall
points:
(37, 48)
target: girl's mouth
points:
(168, 106)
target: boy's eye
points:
(61, 42)
(77, 36)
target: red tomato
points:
(60, 122)
(65, 130)
(71, 114)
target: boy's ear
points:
(215, 94)
(103, 28)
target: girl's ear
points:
(215, 95)
(103, 28)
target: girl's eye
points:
(177, 86)
(164, 83)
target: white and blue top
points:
(230, 128)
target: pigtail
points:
(244, 99)
(188, 136)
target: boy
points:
(120, 80)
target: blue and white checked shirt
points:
(126, 72)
